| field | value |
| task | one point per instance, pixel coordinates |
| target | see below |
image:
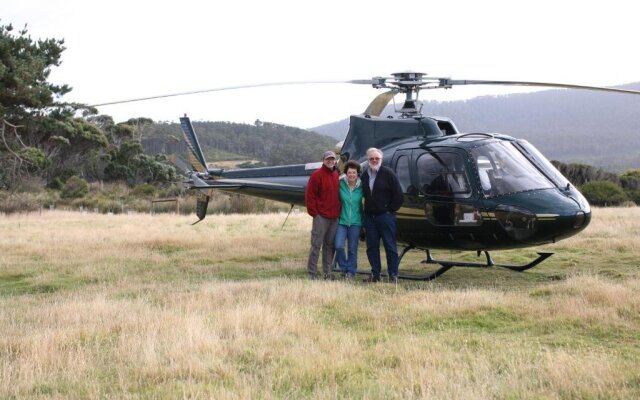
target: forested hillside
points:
(600, 129)
(273, 144)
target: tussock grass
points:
(135, 306)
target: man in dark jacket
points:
(323, 204)
(382, 198)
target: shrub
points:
(145, 190)
(631, 179)
(31, 184)
(74, 188)
(171, 191)
(634, 195)
(603, 193)
(56, 183)
(19, 203)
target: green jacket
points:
(351, 213)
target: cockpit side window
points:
(443, 174)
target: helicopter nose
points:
(543, 216)
(583, 215)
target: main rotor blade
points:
(379, 103)
(446, 82)
(218, 89)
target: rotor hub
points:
(409, 82)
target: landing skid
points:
(447, 265)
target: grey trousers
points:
(323, 233)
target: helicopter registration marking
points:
(489, 216)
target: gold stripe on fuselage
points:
(411, 211)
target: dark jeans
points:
(383, 227)
(351, 234)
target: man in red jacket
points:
(323, 204)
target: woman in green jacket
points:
(350, 221)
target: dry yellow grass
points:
(98, 306)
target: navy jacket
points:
(387, 194)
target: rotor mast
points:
(409, 83)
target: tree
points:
(40, 134)
(630, 180)
(25, 66)
(579, 174)
(128, 162)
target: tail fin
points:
(198, 164)
(201, 207)
(196, 158)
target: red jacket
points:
(322, 196)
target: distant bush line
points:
(602, 188)
(117, 198)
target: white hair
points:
(374, 150)
(370, 152)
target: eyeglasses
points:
(374, 158)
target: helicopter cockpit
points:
(503, 169)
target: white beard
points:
(375, 169)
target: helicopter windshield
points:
(546, 166)
(504, 170)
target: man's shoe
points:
(393, 279)
(372, 279)
(328, 277)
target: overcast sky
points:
(127, 49)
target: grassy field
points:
(139, 306)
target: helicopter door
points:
(411, 212)
(442, 179)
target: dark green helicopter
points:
(462, 191)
